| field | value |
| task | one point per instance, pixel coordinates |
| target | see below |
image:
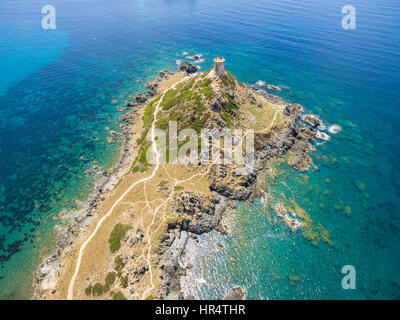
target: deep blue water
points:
(56, 92)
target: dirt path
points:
(101, 221)
(156, 210)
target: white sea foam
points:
(323, 136)
(335, 128)
(310, 115)
(293, 223)
(264, 85)
(195, 57)
(296, 224)
(261, 83)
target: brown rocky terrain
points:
(127, 242)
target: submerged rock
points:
(334, 129)
(195, 57)
(322, 136)
(236, 293)
(111, 140)
(264, 85)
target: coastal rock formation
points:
(299, 157)
(187, 67)
(312, 120)
(152, 85)
(131, 104)
(236, 293)
(140, 98)
(47, 275)
(201, 213)
(294, 110)
(74, 223)
(233, 187)
(271, 87)
(164, 75)
(173, 206)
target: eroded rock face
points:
(170, 267)
(299, 157)
(312, 120)
(294, 110)
(192, 204)
(307, 134)
(201, 213)
(136, 237)
(273, 147)
(225, 183)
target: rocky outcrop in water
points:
(187, 67)
(312, 120)
(140, 98)
(236, 293)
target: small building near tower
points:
(219, 67)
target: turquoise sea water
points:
(56, 92)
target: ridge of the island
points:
(126, 243)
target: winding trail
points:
(148, 258)
(134, 184)
(101, 221)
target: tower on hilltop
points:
(219, 67)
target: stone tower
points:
(219, 67)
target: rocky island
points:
(127, 242)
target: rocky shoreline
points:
(209, 211)
(74, 223)
(294, 137)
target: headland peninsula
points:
(127, 242)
